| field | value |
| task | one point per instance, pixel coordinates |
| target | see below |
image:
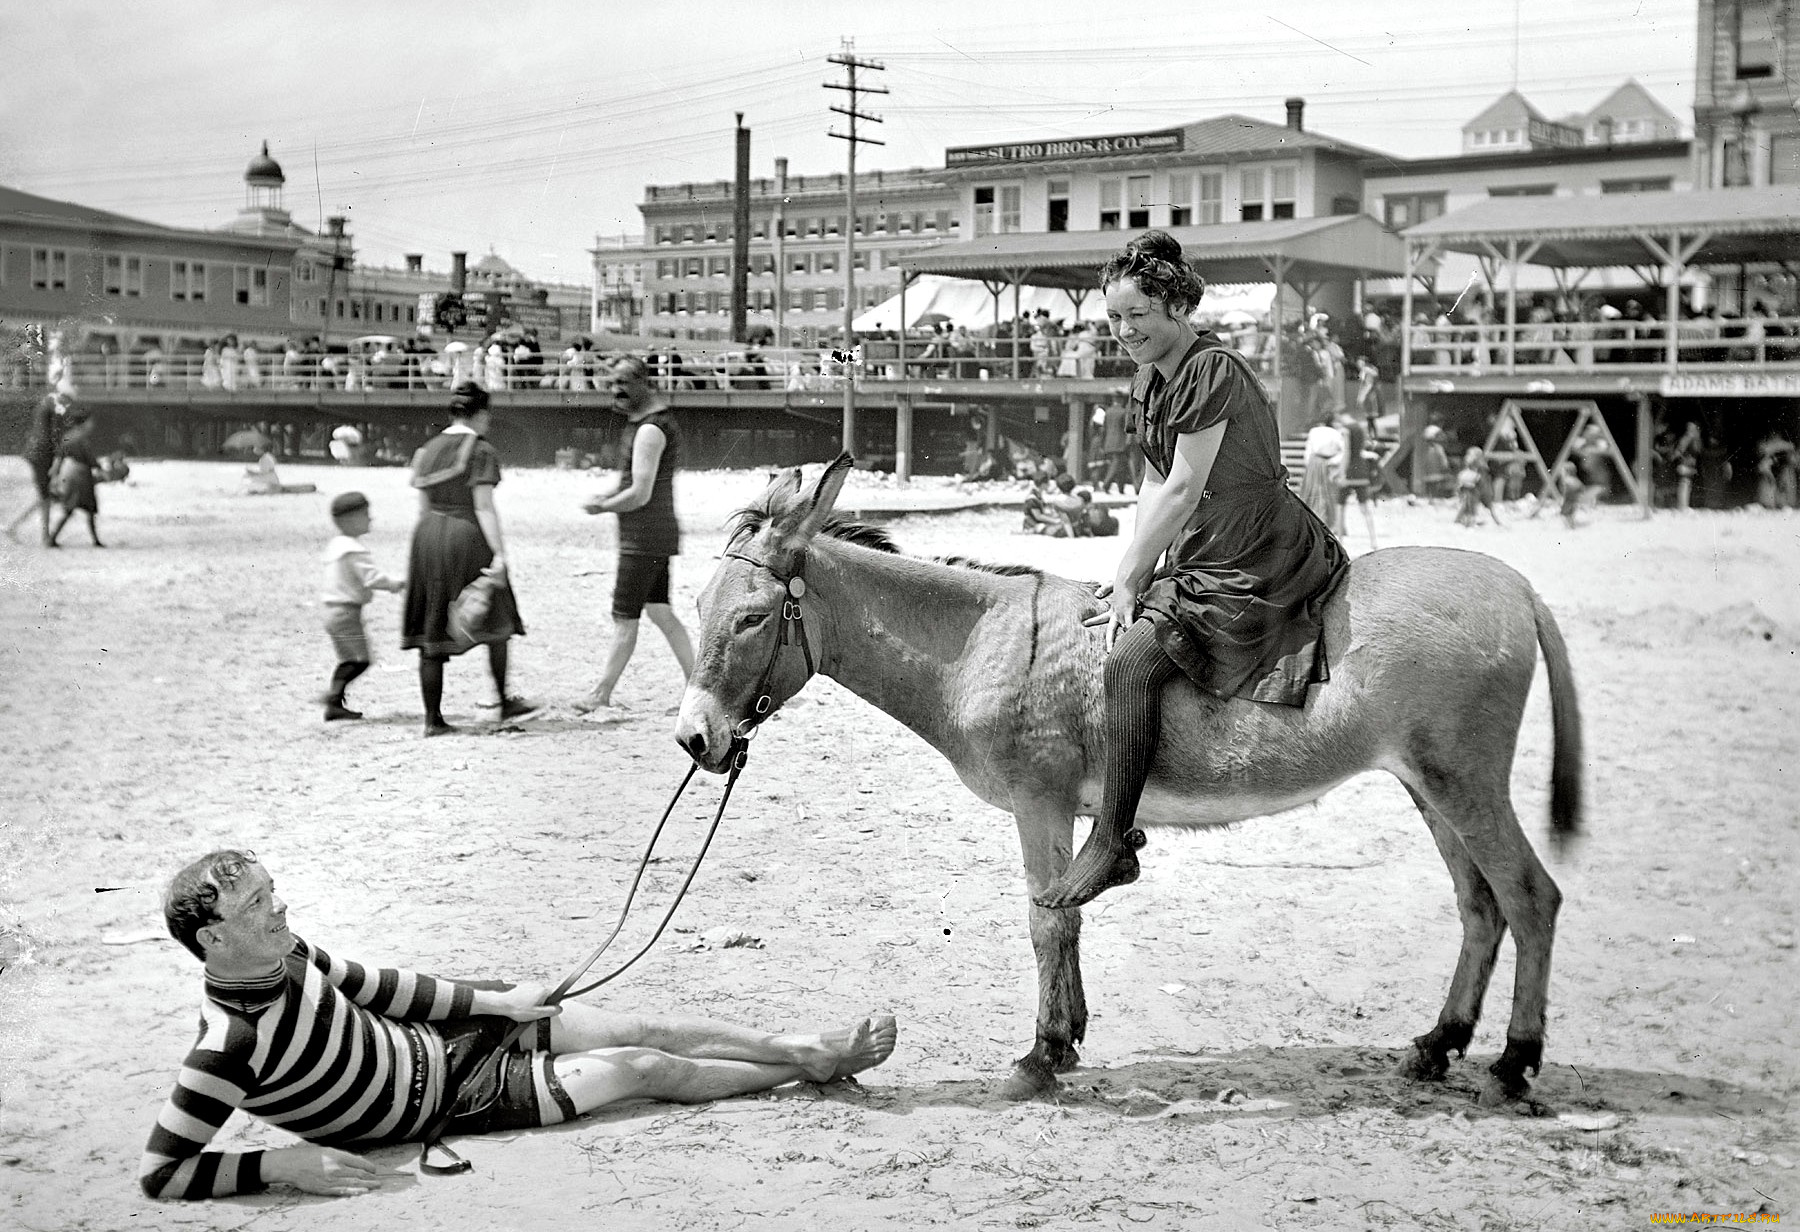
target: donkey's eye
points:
(751, 620)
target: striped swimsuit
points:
(332, 1051)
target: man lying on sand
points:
(347, 1056)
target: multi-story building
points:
(618, 303)
(106, 280)
(796, 277)
(1746, 129)
(1229, 168)
(1627, 143)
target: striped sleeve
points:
(406, 996)
(176, 1163)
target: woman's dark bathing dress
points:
(1239, 598)
(448, 549)
(1236, 603)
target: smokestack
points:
(740, 236)
(1296, 111)
(459, 272)
(780, 226)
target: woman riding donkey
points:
(1238, 602)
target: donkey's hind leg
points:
(1483, 926)
(1481, 815)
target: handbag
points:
(476, 617)
(63, 476)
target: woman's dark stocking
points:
(497, 667)
(1136, 671)
(431, 688)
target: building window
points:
(1755, 39)
(690, 234)
(717, 267)
(1056, 208)
(860, 259)
(796, 300)
(411, 314)
(834, 225)
(1402, 211)
(124, 275)
(810, 227)
(1181, 200)
(1523, 190)
(984, 210)
(799, 263)
(828, 263)
(693, 267)
(1010, 199)
(50, 269)
(339, 305)
(1283, 191)
(1110, 195)
(305, 271)
(379, 307)
(187, 281)
(1650, 184)
(1250, 194)
(662, 234)
(250, 285)
(1137, 201)
(1212, 197)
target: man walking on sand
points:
(350, 1057)
(649, 534)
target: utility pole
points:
(740, 235)
(848, 59)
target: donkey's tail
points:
(1565, 722)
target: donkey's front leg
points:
(1046, 838)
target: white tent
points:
(963, 301)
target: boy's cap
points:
(348, 502)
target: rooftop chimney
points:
(415, 263)
(1296, 109)
(459, 272)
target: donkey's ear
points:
(784, 485)
(823, 498)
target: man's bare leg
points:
(821, 1056)
(618, 654)
(606, 1076)
(664, 618)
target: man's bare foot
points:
(1107, 859)
(591, 701)
(831, 1055)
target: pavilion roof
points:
(1347, 245)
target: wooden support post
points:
(1646, 492)
(903, 439)
(1075, 451)
(1015, 328)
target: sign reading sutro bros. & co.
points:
(1167, 141)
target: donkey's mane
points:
(753, 518)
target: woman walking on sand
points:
(457, 539)
(40, 455)
(74, 477)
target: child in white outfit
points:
(351, 580)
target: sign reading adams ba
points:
(1167, 141)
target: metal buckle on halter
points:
(790, 610)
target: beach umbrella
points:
(249, 440)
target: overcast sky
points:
(530, 127)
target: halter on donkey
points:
(1431, 651)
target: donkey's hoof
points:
(1059, 1058)
(1420, 1065)
(1499, 1092)
(1030, 1079)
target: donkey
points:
(1431, 653)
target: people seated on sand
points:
(263, 479)
(1097, 521)
(352, 1057)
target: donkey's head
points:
(754, 650)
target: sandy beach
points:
(1250, 997)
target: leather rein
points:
(793, 629)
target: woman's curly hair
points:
(1153, 260)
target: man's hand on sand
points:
(322, 1170)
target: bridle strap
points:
(793, 630)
